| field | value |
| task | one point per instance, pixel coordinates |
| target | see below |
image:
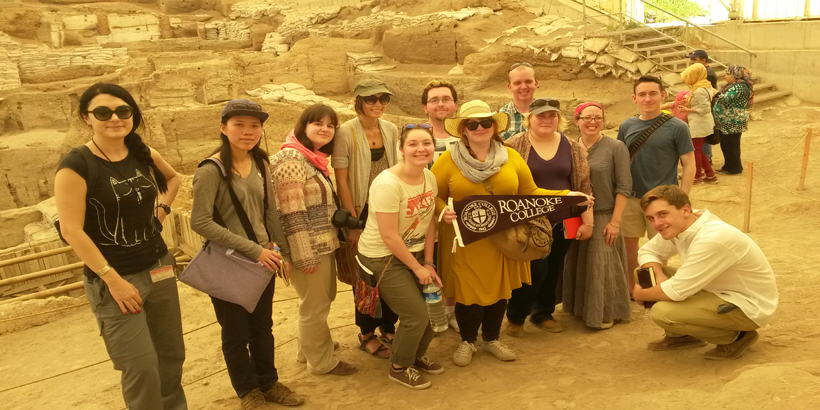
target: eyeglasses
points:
(486, 123)
(590, 119)
(424, 125)
(123, 112)
(435, 101)
(371, 99)
(541, 102)
(516, 65)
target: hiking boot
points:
(515, 330)
(343, 369)
(281, 394)
(409, 377)
(671, 343)
(464, 354)
(499, 350)
(733, 350)
(550, 325)
(428, 366)
(254, 400)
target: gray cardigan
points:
(210, 189)
(358, 174)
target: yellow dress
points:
(479, 274)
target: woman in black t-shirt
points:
(112, 195)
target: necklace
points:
(126, 179)
(593, 144)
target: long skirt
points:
(595, 282)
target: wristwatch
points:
(166, 208)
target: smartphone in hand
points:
(645, 277)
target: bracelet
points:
(430, 263)
(104, 270)
(617, 226)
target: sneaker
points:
(281, 394)
(428, 366)
(550, 325)
(499, 350)
(451, 320)
(733, 350)
(607, 325)
(711, 180)
(254, 400)
(515, 330)
(464, 354)
(671, 343)
(697, 181)
(409, 377)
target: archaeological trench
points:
(182, 59)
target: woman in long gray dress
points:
(595, 275)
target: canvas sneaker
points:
(428, 366)
(499, 350)
(409, 377)
(464, 354)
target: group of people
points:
(390, 210)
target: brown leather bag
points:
(525, 242)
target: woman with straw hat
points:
(481, 277)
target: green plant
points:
(683, 8)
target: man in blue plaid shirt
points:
(522, 84)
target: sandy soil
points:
(57, 360)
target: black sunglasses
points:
(485, 123)
(371, 99)
(545, 101)
(123, 112)
(424, 125)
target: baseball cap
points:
(699, 54)
(244, 107)
(370, 87)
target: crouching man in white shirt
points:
(723, 291)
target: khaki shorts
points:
(634, 223)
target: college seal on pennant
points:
(479, 216)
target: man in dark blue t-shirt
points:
(655, 163)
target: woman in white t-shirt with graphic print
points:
(398, 244)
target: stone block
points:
(590, 56)
(80, 22)
(596, 44)
(457, 70)
(570, 52)
(48, 209)
(671, 79)
(600, 69)
(14, 222)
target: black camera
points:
(342, 218)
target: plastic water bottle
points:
(435, 307)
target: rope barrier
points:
(186, 333)
(787, 154)
(757, 171)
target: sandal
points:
(382, 352)
(386, 340)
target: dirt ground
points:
(57, 360)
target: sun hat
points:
(366, 88)
(243, 107)
(476, 109)
(540, 105)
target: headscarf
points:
(741, 75)
(580, 108)
(695, 77)
(316, 157)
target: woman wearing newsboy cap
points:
(364, 147)
(480, 277)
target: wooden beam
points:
(805, 166)
(33, 256)
(46, 293)
(40, 274)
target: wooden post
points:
(34, 256)
(39, 274)
(806, 147)
(747, 201)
